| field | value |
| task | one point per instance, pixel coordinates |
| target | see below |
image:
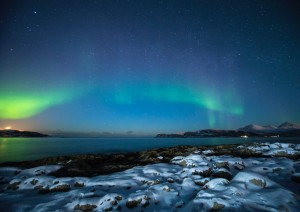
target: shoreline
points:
(249, 177)
(89, 165)
(26, 149)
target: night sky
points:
(146, 67)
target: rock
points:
(216, 184)
(166, 188)
(86, 207)
(179, 204)
(61, 188)
(114, 202)
(146, 204)
(43, 190)
(39, 172)
(87, 165)
(170, 180)
(38, 187)
(77, 184)
(223, 164)
(202, 181)
(296, 177)
(132, 203)
(17, 172)
(118, 197)
(281, 154)
(208, 152)
(108, 209)
(217, 206)
(204, 171)
(13, 186)
(258, 182)
(288, 153)
(34, 182)
(277, 169)
(155, 182)
(222, 173)
(182, 163)
(239, 167)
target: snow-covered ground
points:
(197, 182)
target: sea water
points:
(22, 149)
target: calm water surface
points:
(21, 149)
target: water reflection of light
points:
(18, 148)
(3, 142)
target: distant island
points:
(18, 133)
(286, 129)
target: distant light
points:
(244, 136)
(35, 12)
(8, 128)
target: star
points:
(149, 59)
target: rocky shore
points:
(260, 176)
(89, 165)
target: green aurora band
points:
(204, 98)
(217, 103)
(25, 105)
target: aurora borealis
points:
(24, 105)
(148, 66)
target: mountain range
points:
(286, 129)
(286, 126)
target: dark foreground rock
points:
(89, 165)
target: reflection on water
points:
(20, 149)
(15, 149)
(2, 145)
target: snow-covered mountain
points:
(256, 128)
(286, 126)
(289, 126)
(286, 129)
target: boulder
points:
(13, 186)
(202, 182)
(296, 177)
(86, 207)
(61, 188)
(222, 173)
(78, 184)
(43, 190)
(34, 182)
(217, 206)
(204, 171)
(258, 182)
(132, 203)
(222, 164)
